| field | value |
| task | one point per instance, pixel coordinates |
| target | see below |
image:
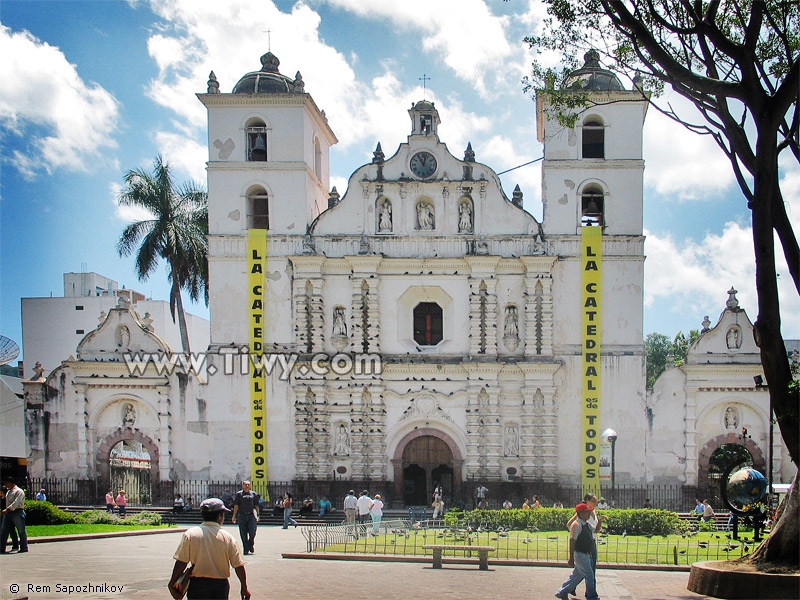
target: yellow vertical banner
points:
(256, 265)
(592, 269)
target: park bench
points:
(483, 553)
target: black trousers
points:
(208, 588)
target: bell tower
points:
(593, 173)
(269, 148)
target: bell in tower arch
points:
(259, 151)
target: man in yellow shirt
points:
(212, 551)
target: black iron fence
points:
(677, 498)
(89, 492)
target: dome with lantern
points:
(269, 80)
(591, 77)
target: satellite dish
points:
(8, 350)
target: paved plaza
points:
(142, 565)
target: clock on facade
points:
(423, 164)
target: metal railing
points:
(401, 538)
(320, 537)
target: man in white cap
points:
(212, 551)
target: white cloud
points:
(68, 123)
(184, 155)
(679, 162)
(127, 214)
(468, 37)
(694, 277)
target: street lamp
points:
(611, 436)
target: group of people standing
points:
(120, 502)
(363, 509)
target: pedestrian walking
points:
(245, 509)
(376, 512)
(581, 548)
(13, 516)
(350, 507)
(708, 512)
(13, 530)
(362, 507)
(110, 501)
(287, 511)
(211, 551)
(122, 503)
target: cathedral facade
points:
(425, 268)
(420, 329)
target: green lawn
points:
(554, 546)
(76, 528)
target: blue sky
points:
(93, 88)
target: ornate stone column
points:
(538, 305)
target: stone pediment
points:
(729, 341)
(121, 331)
(397, 197)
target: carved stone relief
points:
(731, 418)
(385, 217)
(511, 328)
(128, 415)
(425, 217)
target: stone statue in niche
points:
(734, 338)
(385, 218)
(123, 337)
(511, 329)
(425, 216)
(464, 218)
(731, 418)
(339, 326)
(128, 415)
(511, 438)
(342, 445)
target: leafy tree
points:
(176, 233)
(737, 62)
(658, 347)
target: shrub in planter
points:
(44, 513)
(96, 517)
(142, 518)
(634, 522)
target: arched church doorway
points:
(427, 460)
(129, 468)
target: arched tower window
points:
(428, 324)
(256, 140)
(592, 202)
(257, 208)
(594, 143)
(317, 159)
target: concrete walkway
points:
(142, 565)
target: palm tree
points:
(177, 233)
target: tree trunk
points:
(178, 303)
(782, 544)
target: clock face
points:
(423, 164)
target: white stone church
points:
(455, 321)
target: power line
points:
(530, 162)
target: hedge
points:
(94, 517)
(629, 521)
(44, 513)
